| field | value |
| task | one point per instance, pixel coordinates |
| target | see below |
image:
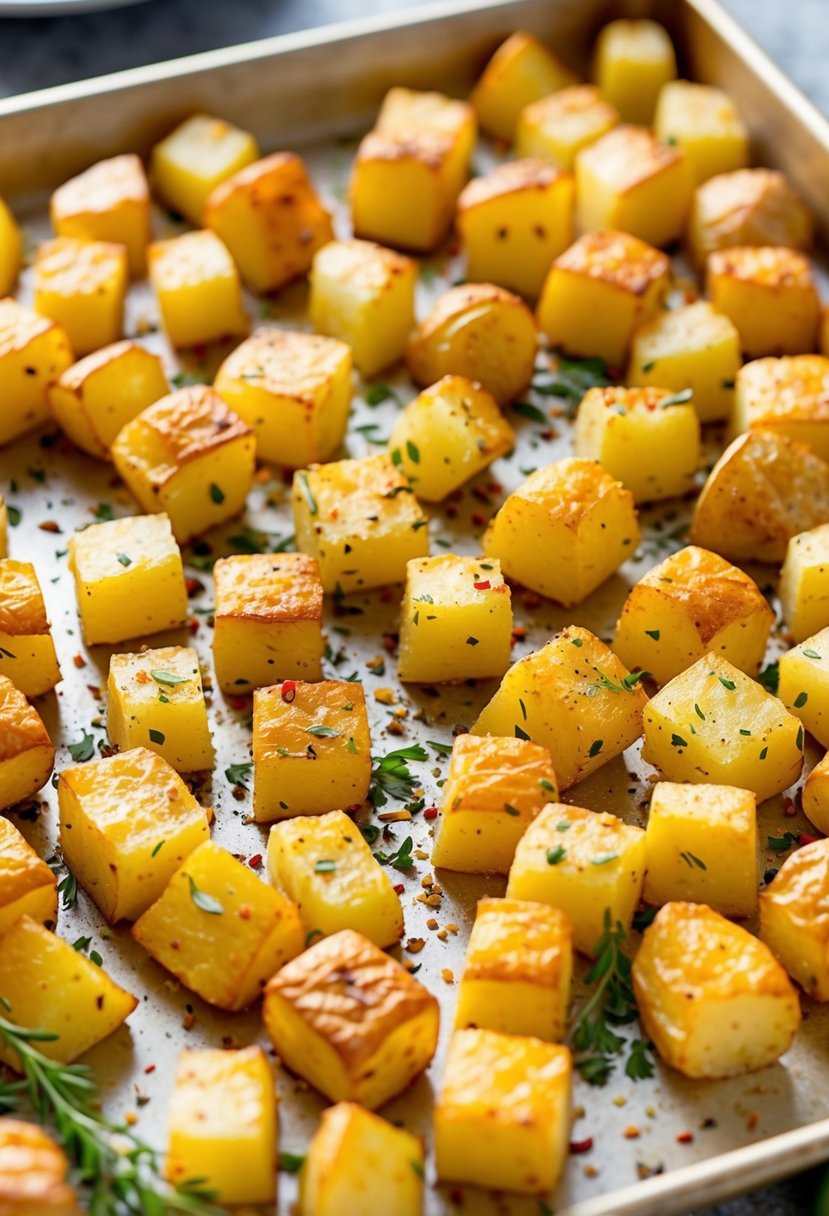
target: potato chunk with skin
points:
(712, 998)
(360, 523)
(11, 249)
(34, 351)
(223, 1124)
(574, 697)
(804, 583)
(27, 754)
(188, 455)
(556, 128)
(82, 285)
(634, 60)
(127, 822)
(198, 290)
(350, 1020)
(804, 684)
(706, 123)
(33, 1171)
(576, 514)
(747, 207)
(713, 724)
(494, 789)
(518, 970)
(49, 985)
(816, 796)
(293, 390)
(455, 620)
(789, 395)
(480, 331)
(794, 917)
(27, 652)
(689, 604)
(502, 1116)
(110, 201)
(267, 620)
(219, 929)
(311, 748)
(324, 864)
(201, 153)
(609, 274)
(27, 884)
(521, 71)
(770, 294)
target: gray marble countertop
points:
(36, 53)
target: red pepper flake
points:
(79, 661)
(238, 703)
(752, 1120)
(188, 1021)
(388, 595)
(789, 807)
(483, 586)
(390, 642)
(685, 1138)
(288, 691)
(50, 525)
(193, 586)
(431, 812)
(399, 888)
(193, 625)
(806, 838)
(581, 1146)
(452, 511)
(478, 519)
(150, 1068)
(495, 487)
(255, 861)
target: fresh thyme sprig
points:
(392, 777)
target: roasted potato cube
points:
(804, 583)
(816, 795)
(706, 124)
(223, 1124)
(127, 822)
(219, 929)
(634, 59)
(351, 1020)
(26, 751)
(689, 604)
(763, 490)
(82, 285)
(455, 620)
(155, 699)
(747, 207)
(27, 884)
(201, 153)
(712, 724)
(11, 249)
(769, 293)
(494, 789)
(49, 985)
(793, 922)
(580, 517)
(360, 523)
(609, 274)
(364, 295)
(502, 1116)
(357, 1161)
(789, 395)
(647, 438)
(33, 1171)
(804, 684)
(269, 216)
(267, 620)
(198, 289)
(574, 697)
(293, 390)
(712, 998)
(326, 867)
(311, 748)
(518, 970)
(33, 352)
(521, 71)
(27, 652)
(110, 201)
(411, 168)
(556, 127)
(514, 222)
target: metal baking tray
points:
(317, 92)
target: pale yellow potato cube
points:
(804, 684)
(351, 1020)
(110, 201)
(804, 583)
(33, 352)
(196, 157)
(27, 754)
(27, 651)
(33, 1170)
(11, 249)
(634, 59)
(793, 917)
(706, 124)
(82, 285)
(455, 620)
(769, 293)
(198, 290)
(712, 998)
(816, 796)
(747, 207)
(27, 884)
(556, 128)
(521, 71)
(789, 395)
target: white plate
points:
(57, 8)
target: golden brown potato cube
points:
(27, 884)
(804, 684)
(706, 124)
(556, 128)
(789, 395)
(350, 1020)
(769, 293)
(195, 158)
(816, 795)
(804, 583)
(11, 249)
(110, 201)
(521, 71)
(33, 1171)
(747, 207)
(27, 652)
(793, 921)
(33, 352)
(633, 60)
(26, 751)
(198, 290)
(82, 285)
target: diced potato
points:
(223, 1124)
(816, 795)
(293, 390)
(706, 124)
(793, 921)
(33, 352)
(556, 127)
(769, 293)
(647, 438)
(804, 583)
(48, 985)
(629, 180)
(410, 169)
(311, 748)
(521, 71)
(479, 331)
(356, 1162)
(804, 684)
(198, 289)
(364, 295)
(713, 724)
(518, 970)
(110, 201)
(155, 699)
(634, 59)
(494, 789)
(611, 275)
(195, 158)
(27, 884)
(326, 867)
(11, 249)
(747, 207)
(267, 620)
(513, 223)
(357, 518)
(127, 822)
(763, 490)
(26, 751)
(82, 285)
(502, 1116)
(269, 216)
(580, 517)
(712, 998)
(789, 395)
(27, 652)
(691, 603)
(455, 620)
(33, 1171)
(190, 456)
(574, 697)
(219, 929)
